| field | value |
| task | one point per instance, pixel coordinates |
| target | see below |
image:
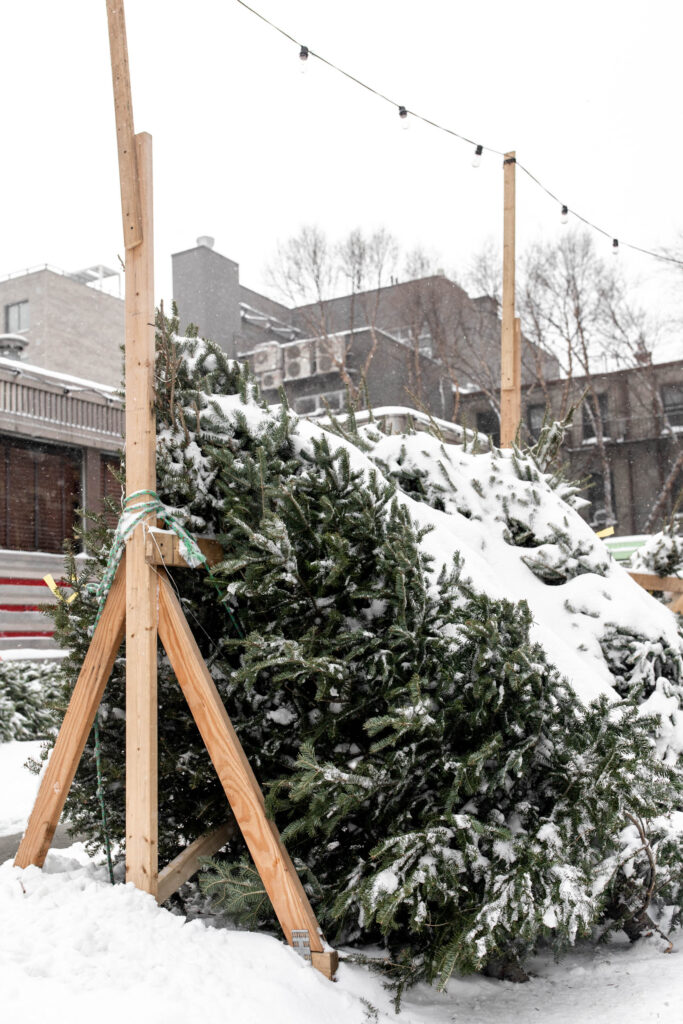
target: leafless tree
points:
(576, 305)
(309, 269)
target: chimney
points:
(206, 290)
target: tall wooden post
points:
(510, 350)
(135, 165)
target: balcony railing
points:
(87, 412)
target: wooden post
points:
(135, 167)
(510, 381)
(123, 108)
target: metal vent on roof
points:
(12, 346)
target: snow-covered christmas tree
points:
(467, 718)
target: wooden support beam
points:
(270, 857)
(508, 376)
(327, 963)
(142, 824)
(162, 547)
(511, 398)
(75, 728)
(650, 581)
(125, 133)
(186, 864)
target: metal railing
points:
(50, 404)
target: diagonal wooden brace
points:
(75, 728)
(270, 857)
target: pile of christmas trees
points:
(458, 772)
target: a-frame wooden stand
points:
(141, 605)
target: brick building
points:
(61, 423)
(66, 324)
(641, 413)
(417, 343)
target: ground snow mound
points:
(91, 951)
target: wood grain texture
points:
(649, 581)
(511, 398)
(280, 880)
(186, 864)
(327, 963)
(142, 824)
(508, 303)
(76, 727)
(163, 548)
(125, 133)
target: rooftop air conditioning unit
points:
(267, 357)
(271, 381)
(298, 361)
(329, 354)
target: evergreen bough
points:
(441, 788)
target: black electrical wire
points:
(457, 135)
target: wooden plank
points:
(517, 367)
(677, 605)
(141, 580)
(272, 862)
(511, 398)
(76, 727)
(186, 864)
(327, 963)
(131, 208)
(650, 581)
(508, 303)
(163, 548)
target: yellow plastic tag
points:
(49, 581)
(607, 532)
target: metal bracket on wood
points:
(301, 943)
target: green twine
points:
(134, 513)
(100, 797)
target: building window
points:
(306, 406)
(16, 317)
(589, 415)
(488, 423)
(535, 416)
(311, 405)
(672, 400)
(40, 491)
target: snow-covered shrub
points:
(30, 699)
(662, 554)
(435, 721)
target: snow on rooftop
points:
(20, 368)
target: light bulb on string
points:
(403, 114)
(564, 216)
(476, 159)
(303, 57)
(615, 246)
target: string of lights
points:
(405, 113)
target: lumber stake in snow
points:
(135, 173)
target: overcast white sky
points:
(247, 149)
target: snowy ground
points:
(18, 786)
(74, 948)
